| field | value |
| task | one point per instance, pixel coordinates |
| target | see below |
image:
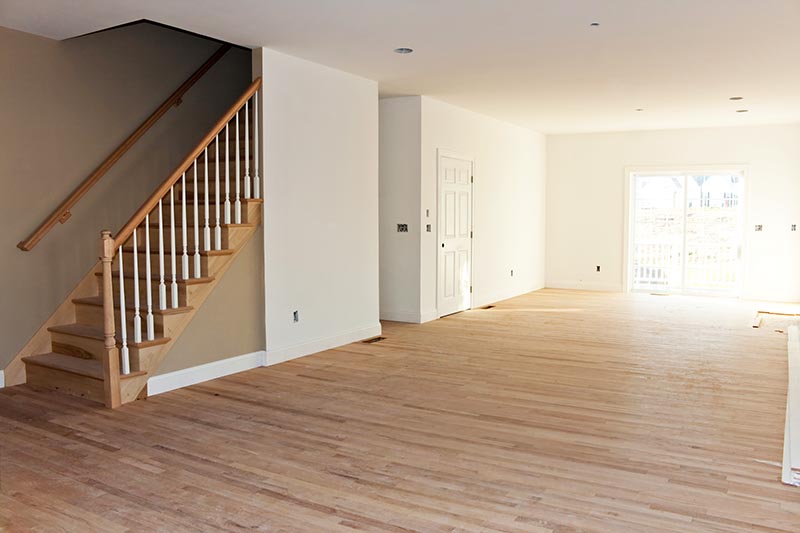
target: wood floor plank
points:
(554, 411)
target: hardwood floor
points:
(554, 411)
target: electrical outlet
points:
(427, 213)
(759, 227)
(794, 227)
(512, 272)
(428, 228)
(402, 228)
(597, 268)
(296, 316)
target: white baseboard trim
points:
(400, 316)
(427, 316)
(790, 471)
(287, 353)
(199, 374)
(2, 379)
(582, 286)
(500, 296)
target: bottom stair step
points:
(72, 375)
(90, 368)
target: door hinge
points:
(472, 179)
(470, 234)
(470, 289)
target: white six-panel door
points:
(455, 234)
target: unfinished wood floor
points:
(554, 411)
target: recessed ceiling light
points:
(742, 110)
(736, 98)
(403, 50)
(594, 24)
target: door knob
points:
(442, 245)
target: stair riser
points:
(226, 232)
(201, 213)
(67, 382)
(93, 315)
(78, 346)
(129, 291)
(127, 264)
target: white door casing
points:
(454, 265)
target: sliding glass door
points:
(686, 234)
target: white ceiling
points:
(536, 63)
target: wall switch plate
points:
(296, 316)
(427, 213)
(512, 272)
(428, 228)
(598, 268)
(402, 228)
(759, 227)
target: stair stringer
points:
(135, 388)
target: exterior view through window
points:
(687, 233)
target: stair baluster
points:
(206, 227)
(238, 205)
(148, 281)
(217, 228)
(172, 247)
(256, 179)
(227, 176)
(123, 329)
(196, 227)
(246, 149)
(162, 288)
(185, 256)
(137, 318)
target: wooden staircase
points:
(160, 267)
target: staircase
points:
(157, 271)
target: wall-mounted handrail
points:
(63, 211)
(150, 204)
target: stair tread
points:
(142, 249)
(95, 332)
(98, 301)
(90, 368)
(142, 275)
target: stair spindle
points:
(196, 226)
(246, 149)
(123, 330)
(185, 256)
(206, 227)
(172, 247)
(162, 287)
(227, 176)
(148, 280)
(238, 204)
(217, 228)
(137, 318)
(256, 122)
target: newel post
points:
(111, 358)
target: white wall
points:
(400, 149)
(586, 201)
(509, 201)
(320, 146)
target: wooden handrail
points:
(62, 212)
(161, 192)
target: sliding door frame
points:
(630, 174)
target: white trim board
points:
(240, 363)
(791, 436)
(287, 353)
(580, 286)
(411, 317)
(198, 374)
(2, 379)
